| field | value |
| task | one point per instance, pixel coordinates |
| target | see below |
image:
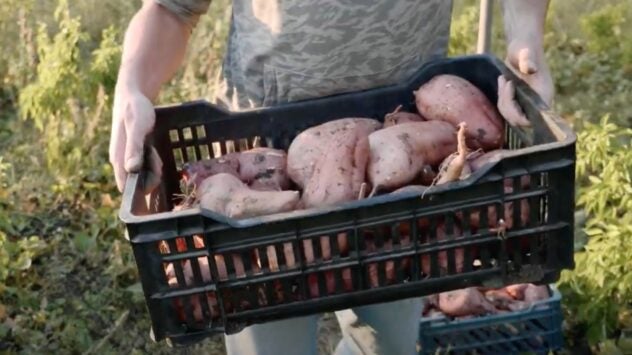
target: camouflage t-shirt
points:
(287, 50)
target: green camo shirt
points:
(287, 50)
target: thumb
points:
(138, 124)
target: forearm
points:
(154, 47)
(524, 20)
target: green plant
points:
(591, 65)
(601, 285)
(69, 98)
(68, 280)
(604, 30)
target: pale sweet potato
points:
(311, 145)
(430, 302)
(500, 298)
(389, 265)
(459, 253)
(220, 262)
(493, 220)
(455, 167)
(492, 217)
(310, 258)
(426, 176)
(453, 99)
(194, 301)
(516, 291)
(434, 313)
(194, 173)
(329, 161)
(227, 195)
(398, 116)
(264, 169)
(534, 293)
(515, 306)
(465, 302)
(399, 153)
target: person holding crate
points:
(283, 51)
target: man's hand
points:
(155, 43)
(524, 26)
(133, 119)
(529, 64)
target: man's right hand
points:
(133, 119)
(155, 43)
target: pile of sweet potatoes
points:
(455, 132)
(345, 159)
(473, 302)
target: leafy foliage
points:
(593, 64)
(600, 287)
(60, 99)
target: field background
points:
(68, 283)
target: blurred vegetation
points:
(68, 282)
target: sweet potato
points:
(220, 262)
(398, 116)
(195, 172)
(442, 256)
(264, 169)
(430, 302)
(329, 161)
(434, 313)
(389, 265)
(426, 176)
(500, 298)
(312, 145)
(338, 152)
(227, 195)
(449, 163)
(516, 306)
(455, 166)
(261, 168)
(399, 153)
(194, 301)
(493, 220)
(508, 214)
(516, 291)
(310, 258)
(465, 302)
(534, 293)
(453, 99)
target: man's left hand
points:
(527, 62)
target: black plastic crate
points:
(256, 292)
(536, 330)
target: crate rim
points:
(562, 132)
